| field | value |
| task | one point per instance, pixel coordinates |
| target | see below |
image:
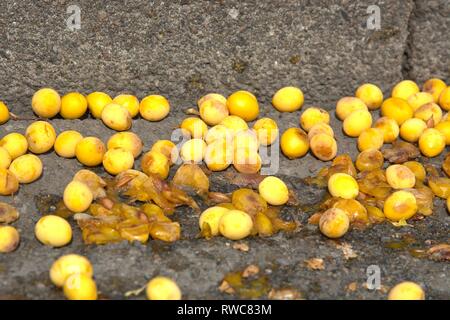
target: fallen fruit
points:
(369, 160)
(40, 136)
(249, 201)
(244, 105)
(375, 214)
(218, 155)
(342, 164)
(400, 205)
(389, 127)
(401, 151)
(167, 148)
(117, 160)
(73, 105)
(15, 143)
(416, 168)
(246, 160)
(212, 96)
(346, 105)
(53, 231)
(274, 191)
(371, 138)
(196, 127)
(219, 132)
(434, 86)
(80, 286)
(97, 102)
(431, 142)
(66, 143)
(234, 124)
(9, 184)
(288, 99)
(404, 89)
(294, 143)
(116, 117)
(93, 181)
(263, 225)
(77, 196)
(440, 186)
(46, 103)
(154, 162)
(193, 150)
(419, 99)
(444, 99)
(213, 108)
(246, 140)
(210, 218)
(356, 122)
(334, 223)
(323, 146)
(444, 128)
(126, 140)
(235, 225)
(429, 111)
(154, 108)
(424, 198)
(67, 265)
(371, 95)
(26, 168)
(355, 211)
(266, 130)
(343, 185)
(5, 158)
(406, 290)
(9, 239)
(312, 116)
(8, 213)
(4, 113)
(129, 102)
(400, 177)
(397, 109)
(162, 288)
(412, 129)
(446, 164)
(89, 151)
(320, 128)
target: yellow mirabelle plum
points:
(46, 103)
(41, 137)
(370, 94)
(288, 99)
(129, 102)
(73, 105)
(244, 105)
(97, 102)
(404, 89)
(154, 108)
(66, 143)
(347, 105)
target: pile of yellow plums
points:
(247, 213)
(413, 115)
(404, 188)
(218, 134)
(229, 140)
(16, 165)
